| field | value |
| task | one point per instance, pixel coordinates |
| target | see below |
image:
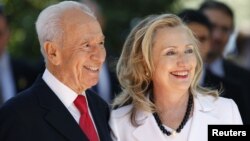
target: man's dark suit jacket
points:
(234, 85)
(37, 114)
(24, 74)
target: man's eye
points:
(86, 45)
(101, 43)
(203, 39)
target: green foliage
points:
(118, 15)
(22, 16)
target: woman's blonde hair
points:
(135, 67)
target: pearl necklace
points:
(183, 122)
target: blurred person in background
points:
(222, 19)
(242, 55)
(15, 74)
(202, 28)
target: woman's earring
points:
(147, 74)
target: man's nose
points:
(217, 34)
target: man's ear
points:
(52, 51)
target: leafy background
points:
(120, 16)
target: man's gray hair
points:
(48, 24)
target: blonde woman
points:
(159, 70)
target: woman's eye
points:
(169, 53)
(189, 51)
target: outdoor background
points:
(120, 16)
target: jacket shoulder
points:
(213, 101)
(224, 108)
(121, 112)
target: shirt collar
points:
(4, 59)
(217, 67)
(63, 92)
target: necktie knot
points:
(81, 104)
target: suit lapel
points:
(65, 125)
(57, 114)
(201, 119)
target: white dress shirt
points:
(202, 77)
(65, 94)
(6, 78)
(217, 68)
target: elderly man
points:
(58, 107)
